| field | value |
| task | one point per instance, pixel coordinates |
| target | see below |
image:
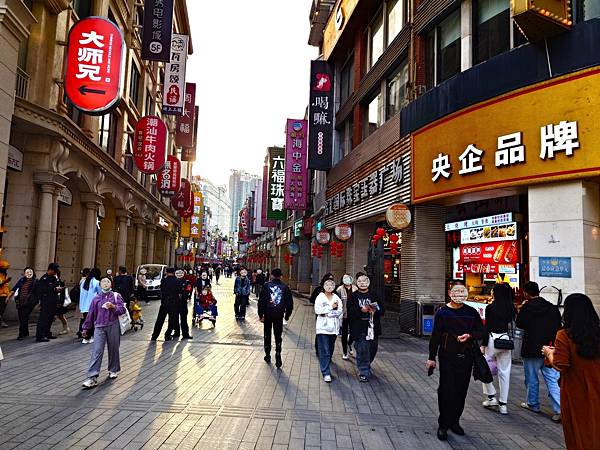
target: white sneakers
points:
(345, 357)
(113, 375)
(503, 409)
(90, 383)
(88, 341)
(490, 402)
(327, 378)
(285, 323)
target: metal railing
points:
(22, 83)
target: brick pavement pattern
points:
(216, 392)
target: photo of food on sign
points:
(506, 232)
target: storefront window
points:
(347, 80)
(448, 46)
(373, 115)
(492, 29)
(397, 97)
(377, 43)
(395, 17)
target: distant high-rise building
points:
(217, 200)
(241, 185)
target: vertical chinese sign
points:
(183, 201)
(320, 116)
(184, 136)
(185, 227)
(157, 30)
(296, 172)
(150, 144)
(196, 229)
(275, 210)
(169, 178)
(174, 83)
(95, 65)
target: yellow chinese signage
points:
(196, 219)
(336, 24)
(538, 134)
(185, 227)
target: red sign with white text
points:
(183, 201)
(490, 253)
(95, 65)
(184, 135)
(150, 144)
(169, 178)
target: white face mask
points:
(109, 272)
(204, 276)
(363, 283)
(105, 285)
(329, 286)
(243, 273)
(29, 273)
(259, 271)
(459, 294)
(347, 280)
(179, 274)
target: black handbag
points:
(504, 344)
(481, 369)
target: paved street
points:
(216, 392)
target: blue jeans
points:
(365, 354)
(326, 345)
(532, 366)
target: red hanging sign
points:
(169, 178)
(95, 65)
(183, 201)
(150, 144)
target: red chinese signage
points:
(150, 144)
(169, 178)
(184, 136)
(95, 65)
(490, 253)
(183, 201)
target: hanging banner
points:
(184, 136)
(174, 82)
(320, 116)
(183, 200)
(169, 178)
(275, 210)
(95, 65)
(157, 30)
(150, 144)
(196, 219)
(264, 222)
(296, 172)
(184, 227)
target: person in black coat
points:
(47, 292)
(171, 291)
(181, 307)
(25, 300)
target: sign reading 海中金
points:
(276, 191)
(554, 267)
(320, 116)
(296, 173)
(174, 83)
(157, 30)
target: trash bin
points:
(427, 314)
(518, 340)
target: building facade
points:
(241, 185)
(448, 108)
(77, 197)
(217, 199)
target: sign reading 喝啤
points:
(174, 83)
(169, 178)
(95, 65)
(320, 116)
(157, 30)
(150, 144)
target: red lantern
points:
(380, 232)
(394, 238)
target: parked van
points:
(154, 275)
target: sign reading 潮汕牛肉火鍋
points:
(95, 65)
(320, 116)
(157, 30)
(174, 82)
(150, 144)
(555, 267)
(276, 185)
(296, 172)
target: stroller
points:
(137, 320)
(205, 307)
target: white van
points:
(154, 275)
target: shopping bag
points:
(125, 322)
(492, 365)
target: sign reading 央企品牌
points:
(555, 267)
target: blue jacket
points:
(242, 286)
(86, 296)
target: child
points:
(206, 303)
(136, 314)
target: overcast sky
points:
(251, 65)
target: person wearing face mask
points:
(47, 291)
(345, 292)
(329, 309)
(313, 297)
(456, 328)
(142, 286)
(181, 308)
(241, 289)
(364, 316)
(103, 317)
(170, 295)
(261, 279)
(25, 300)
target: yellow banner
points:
(196, 219)
(185, 227)
(538, 134)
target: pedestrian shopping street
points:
(216, 392)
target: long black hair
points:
(94, 273)
(581, 321)
(503, 302)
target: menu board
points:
(489, 233)
(492, 257)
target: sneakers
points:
(345, 357)
(526, 405)
(90, 383)
(503, 409)
(362, 379)
(285, 323)
(556, 418)
(3, 324)
(490, 402)
(113, 375)
(91, 340)
(85, 341)
(327, 378)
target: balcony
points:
(22, 84)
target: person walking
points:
(25, 300)
(103, 318)
(274, 305)
(124, 285)
(498, 316)
(61, 309)
(241, 289)
(218, 271)
(456, 328)
(46, 291)
(181, 308)
(364, 315)
(170, 295)
(142, 286)
(344, 292)
(261, 279)
(329, 309)
(313, 297)
(4, 290)
(540, 321)
(576, 356)
(88, 289)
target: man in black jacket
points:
(274, 304)
(181, 307)
(46, 292)
(170, 294)
(540, 320)
(124, 285)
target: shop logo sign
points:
(169, 178)
(157, 30)
(150, 144)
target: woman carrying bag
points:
(25, 300)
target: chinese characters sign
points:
(275, 208)
(157, 30)
(296, 173)
(491, 257)
(264, 222)
(320, 116)
(150, 144)
(183, 201)
(95, 65)
(174, 83)
(184, 136)
(551, 267)
(169, 177)
(196, 219)
(523, 138)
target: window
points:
(376, 44)
(442, 55)
(347, 80)
(83, 8)
(107, 134)
(588, 9)
(345, 139)
(395, 17)
(397, 95)
(373, 115)
(134, 86)
(491, 30)
(150, 105)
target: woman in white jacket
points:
(329, 309)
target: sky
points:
(251, 66)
